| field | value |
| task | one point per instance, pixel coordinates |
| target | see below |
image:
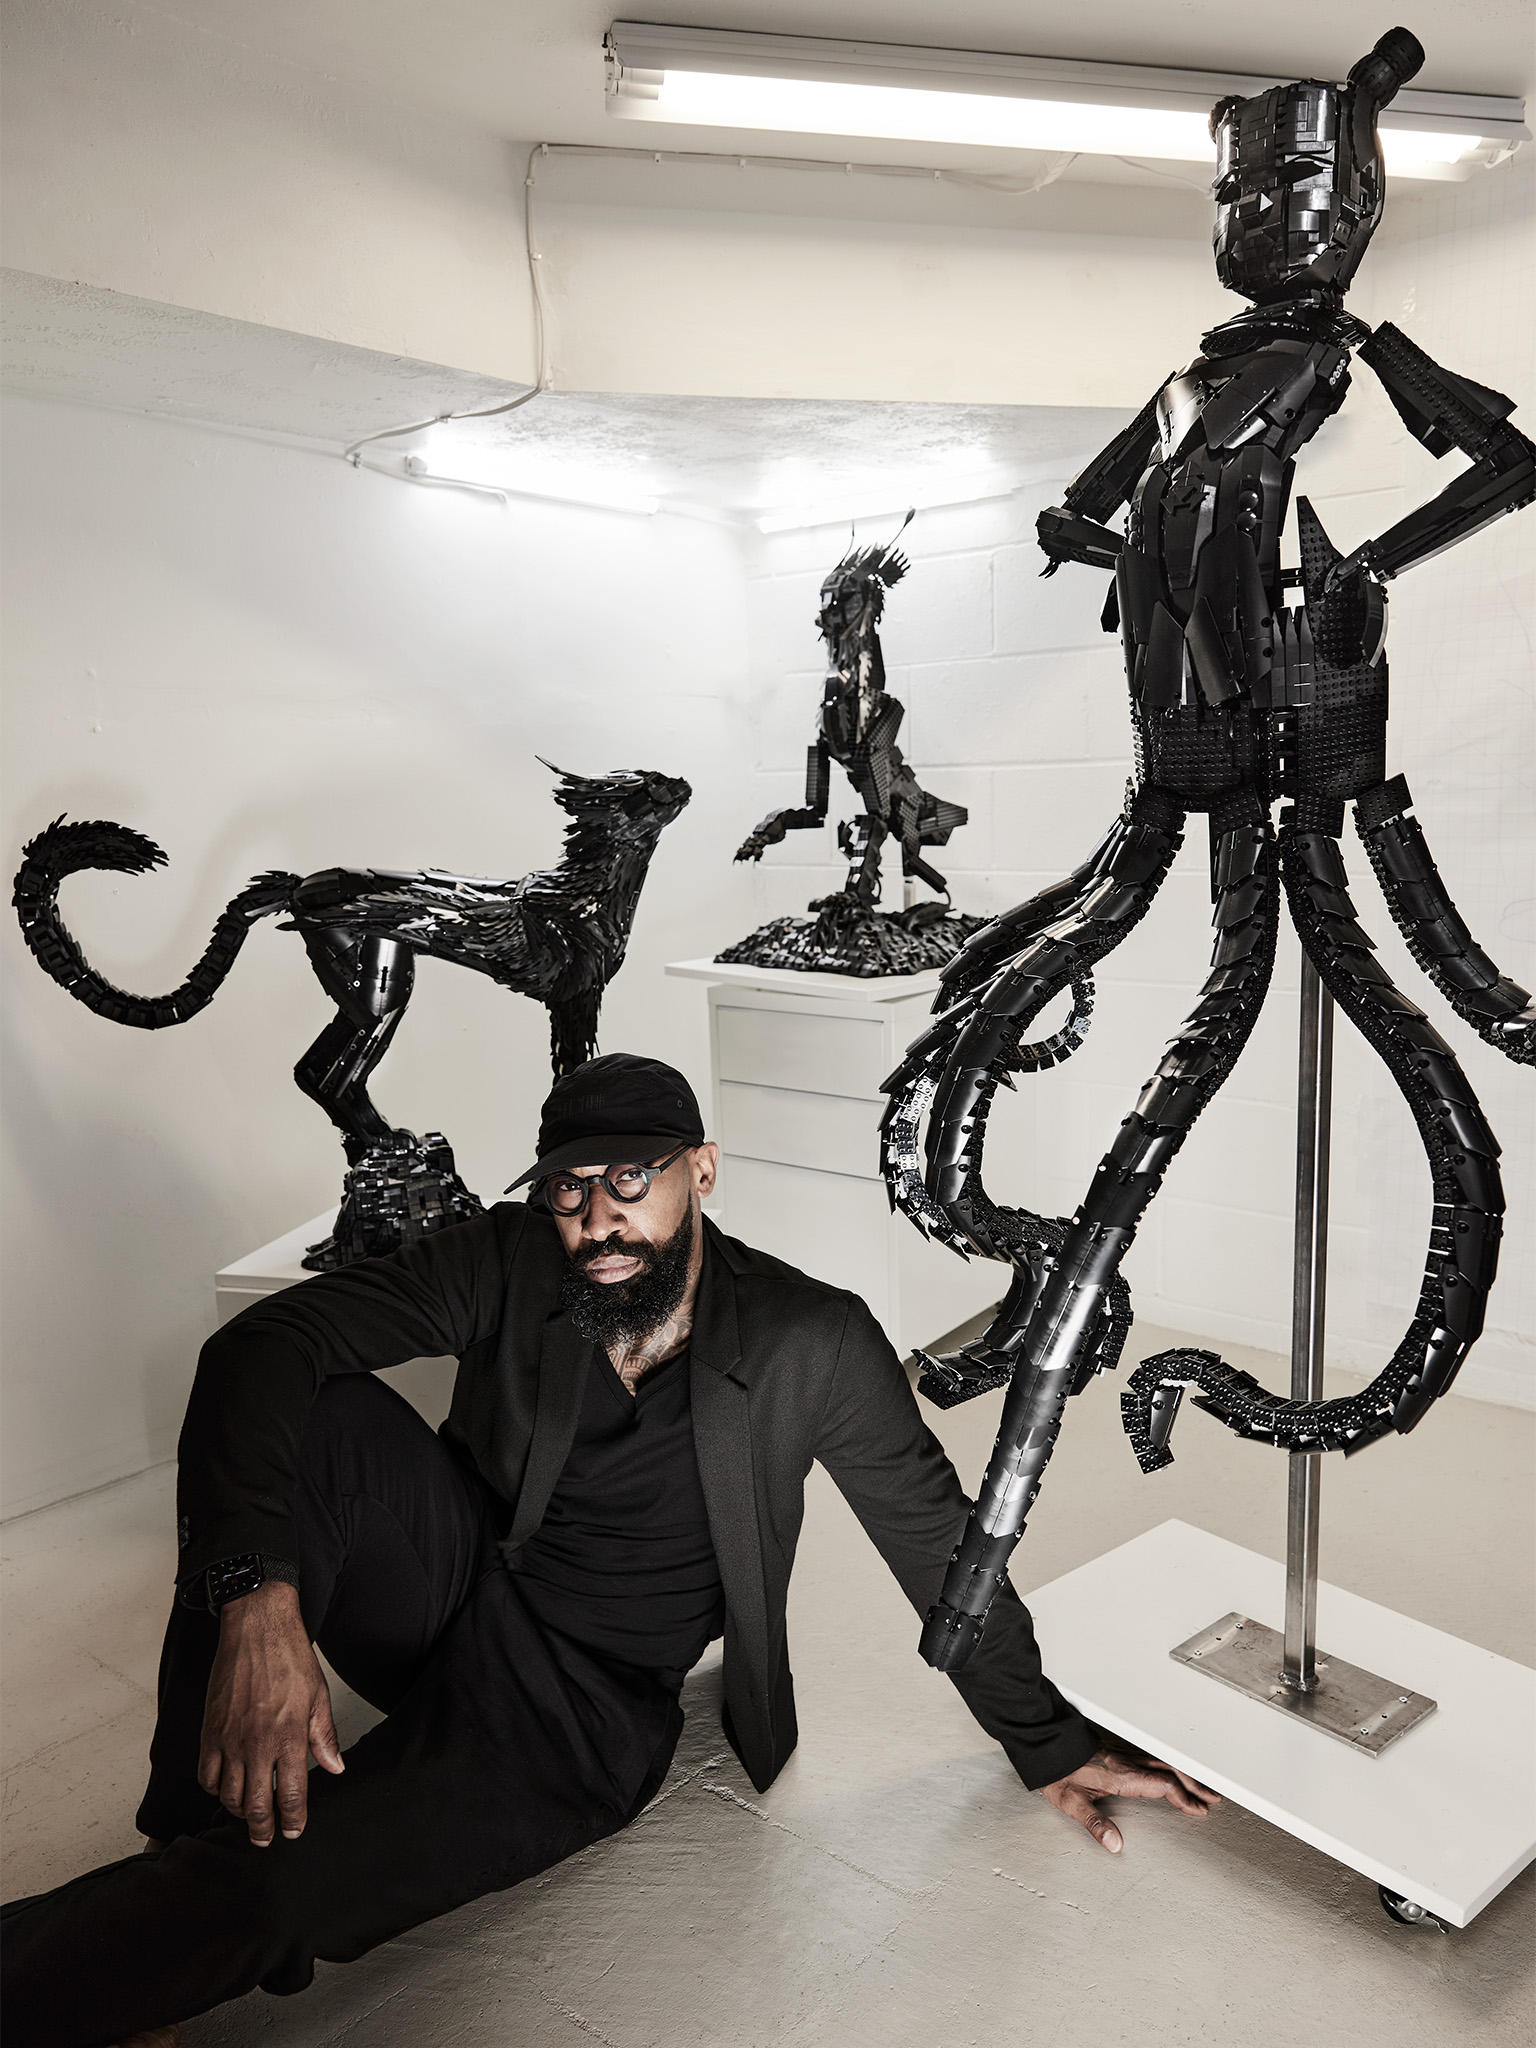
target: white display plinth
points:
(789, 981)
(268, 1271)
(1424, 1818)
(427, 1383)
(796, 1062)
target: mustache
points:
(615, 1247)
(624, 1310)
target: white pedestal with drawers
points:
(796, 1063)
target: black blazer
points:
(783, 1370)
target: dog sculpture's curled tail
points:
(65, 849)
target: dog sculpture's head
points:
(627, 796)
(1299, 177)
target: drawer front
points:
(831, 1226)
(789, 1049)
(829, 1133)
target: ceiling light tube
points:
(811, 86)
(598, 501)
(599, 498)
(901, 113)
(880, 505)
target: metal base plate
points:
(1352, 1705)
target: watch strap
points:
(231, 1578)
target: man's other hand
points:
(268, 1709)
(1109, 1774)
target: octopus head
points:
(1299, 177)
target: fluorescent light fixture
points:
(547, 488)
(600, 500)
(907, 114)
(804, 85)
(417, 470)
(1415, 152)
(878, 503)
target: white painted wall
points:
(152, 158)
(804, 284)
(1016, 708)
(264, 659)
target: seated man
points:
(619, 1482)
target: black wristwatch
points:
(233, 1577)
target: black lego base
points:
(406, 1188)
(866, 943)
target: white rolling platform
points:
(796, 1062)
(1425, 1818)
(427, 1383)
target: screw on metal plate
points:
(1351, 1705)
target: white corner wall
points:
(262, 659)
(1016, 708)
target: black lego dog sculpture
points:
(558, 934)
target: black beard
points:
(626, 1312)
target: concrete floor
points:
(897, 1885)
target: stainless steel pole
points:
(1354, 1706)
(1314, 1107)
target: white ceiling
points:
(743, 456)
(89, 346)
(532, 68)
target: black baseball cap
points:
(620, 1107)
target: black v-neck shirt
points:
(623, 1561)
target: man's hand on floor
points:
(268, 1708)
(1110, 1774)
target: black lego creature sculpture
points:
(849, 933)
(558, 934)
(1239, 698)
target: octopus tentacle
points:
(997, 943)
(990, 993)
(1498, 1009)
(1049, 1332)
(901, 1131)
(1464, 1236)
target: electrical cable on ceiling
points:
(1136, 163)
(352, 453)
(984, 181)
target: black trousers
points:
(506, 1747)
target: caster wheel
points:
(1404, 1911)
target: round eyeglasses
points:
(568, 1194)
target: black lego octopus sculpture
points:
(849, 933)
(1239, 698)
(558, 934)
